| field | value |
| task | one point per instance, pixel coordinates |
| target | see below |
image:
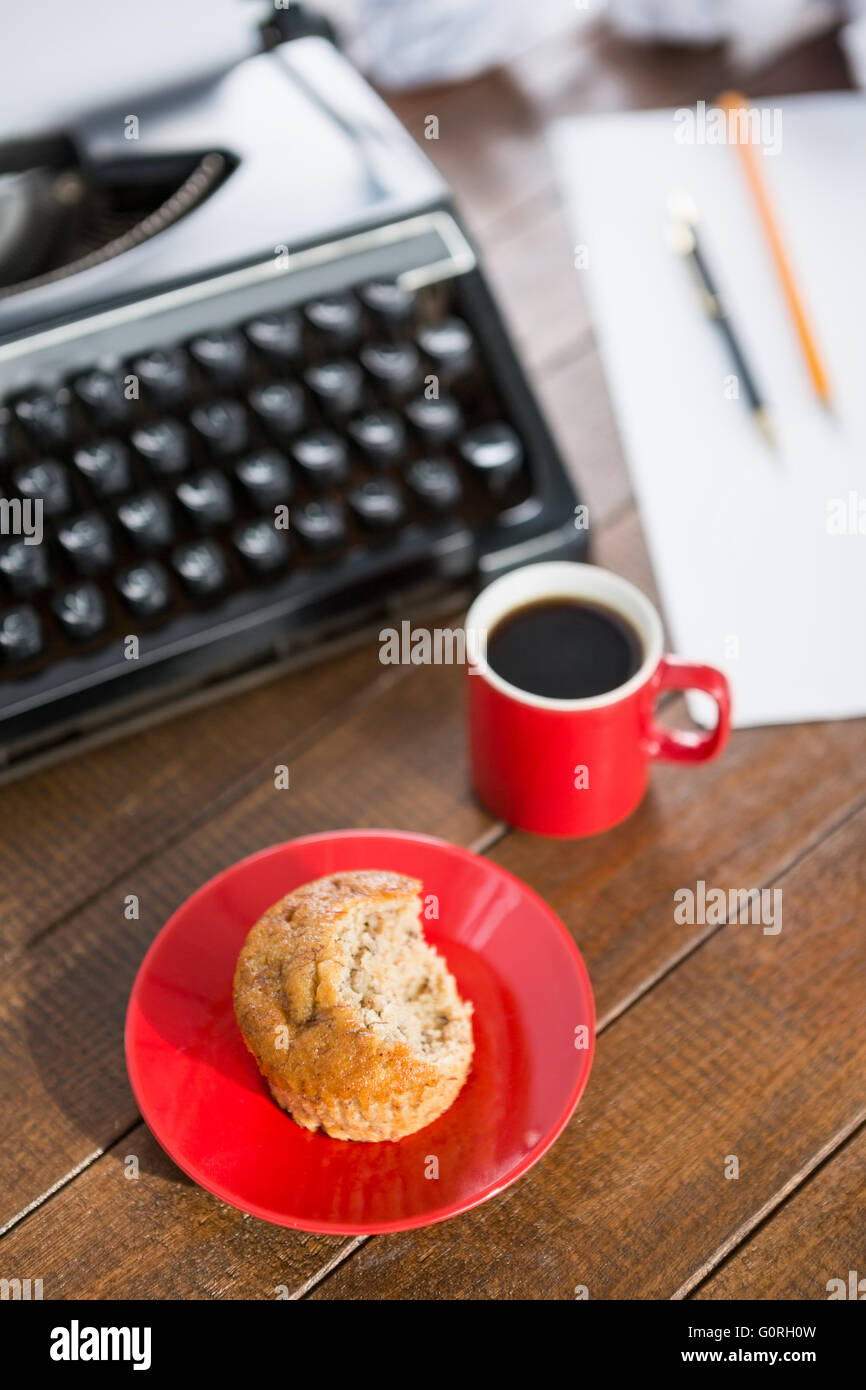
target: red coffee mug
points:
(576, 767)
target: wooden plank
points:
(577, 408)
(531, 269)
(157, 1235)
(486, 146)
(609, 939)
(614, 892)
(102, 812)
(63, 1088)
(754, 1047)
(620, 547)
(817, 1236)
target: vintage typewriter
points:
(251, 369)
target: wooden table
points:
(713, 1041)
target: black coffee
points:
(565, 649)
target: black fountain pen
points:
(682, 237)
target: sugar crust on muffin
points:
(354, 1019)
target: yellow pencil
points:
(735, 101)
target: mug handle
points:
(689, 745)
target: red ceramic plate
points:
(202, 1096)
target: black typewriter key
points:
(222, 354)
(320, 524)
(222, 425)
(145, 588)
(105, 466)
(448, 344)
(377, 504)
(337, 386)
(393, 367)
(437, 420)
(48, 481)
(266, 479)
(102, 394)
(87, 543)
(20, 634)
(380, 435)
(82, 611)
(163, 374)
(322, 457)
(279, 337)
(435, 483)
(493, 452)
(45, 416)
(206, 499)
(25, 568)
(387, 301)
(147, 520)
(281, 406)
(164, 446)
(336, 318)
(263, 549)
(202, 568)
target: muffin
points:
(354, 1020)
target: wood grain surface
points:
(716, 1043)
(818, 1236)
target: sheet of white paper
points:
(751, 578)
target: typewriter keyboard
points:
(172, 480)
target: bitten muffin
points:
(354, 1020)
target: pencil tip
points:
(765, 425)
